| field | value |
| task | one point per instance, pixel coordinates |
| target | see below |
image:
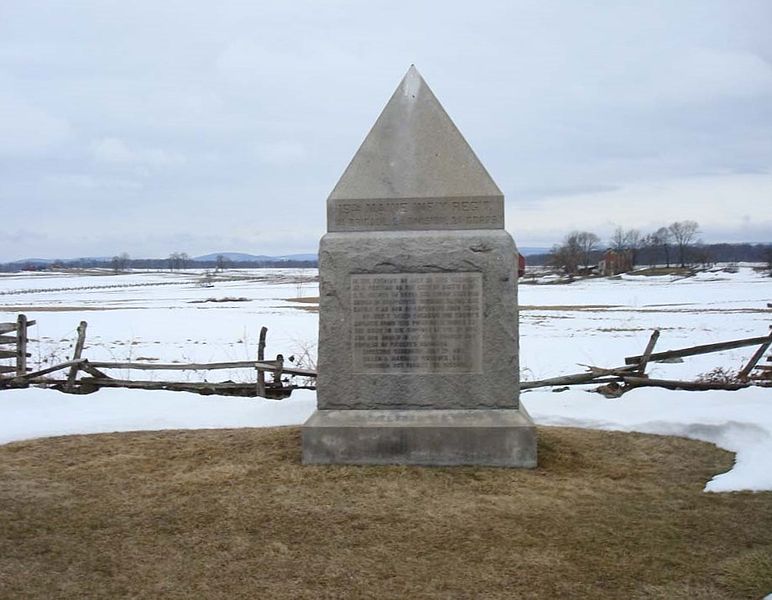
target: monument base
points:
(485, 437)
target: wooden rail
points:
(19, 352)
(47, 370)
(593, 375)
(703, 349)
(260, 386)
(674, 384)
(268, 365)
(76, 355)
(98, 378)
(755, 359)
(632, 374)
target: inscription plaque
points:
(394, 214)
(417, 323)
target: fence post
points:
(260, 356)
(279, 368)
(755, 359)
(76, 356)
(21, 345)
(647, 352)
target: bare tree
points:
(566, 256)
(178, 260)
(634, 242)
(220, 263)
(618, 242)
(626, 244)
(768, 258)
(588, 243)
(702, 255)
(683, 233)
(660, 240)
(121, 262)
(576, 250)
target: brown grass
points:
(307, 304)
(305, 300)
(657, 271)
(232, 514)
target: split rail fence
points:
(93, 376)
(14, 346)
(613, 381)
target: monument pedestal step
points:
(484, 437)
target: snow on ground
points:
(166, 317)
(737, 421)
(34, 413)
(740, 422)
(600, 321)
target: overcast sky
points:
(152, 127)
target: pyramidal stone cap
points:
(414, 171)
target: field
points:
(231, 513)
(162, 317)
(169, 316)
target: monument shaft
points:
(418, 325)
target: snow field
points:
(595, 322)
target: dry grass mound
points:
(232, 514)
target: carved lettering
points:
(417, 323)
(484, 212)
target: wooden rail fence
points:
(614, 381)
(633, 373)
(14, 346)
(20, 376)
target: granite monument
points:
(418, 321)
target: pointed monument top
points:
(414, 151)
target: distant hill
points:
(698, 254)
(243, 257)
(33, 261)
(530, 250)
(50, 261)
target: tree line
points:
(675, 245)
(580, 251)
(176, 261)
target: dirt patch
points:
(660, 271)
(308, 304)
(19, 309)
(226, 299)
(305, 300)
(567, 307)
(233, 514)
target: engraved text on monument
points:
(395, 214)
(417, 323)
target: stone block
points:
(497, 437)
(462, 331)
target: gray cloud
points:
(154, 127)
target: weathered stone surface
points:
(415, 171)
(418, 324)
(500, 438)
(395, 214)
(491, 379)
